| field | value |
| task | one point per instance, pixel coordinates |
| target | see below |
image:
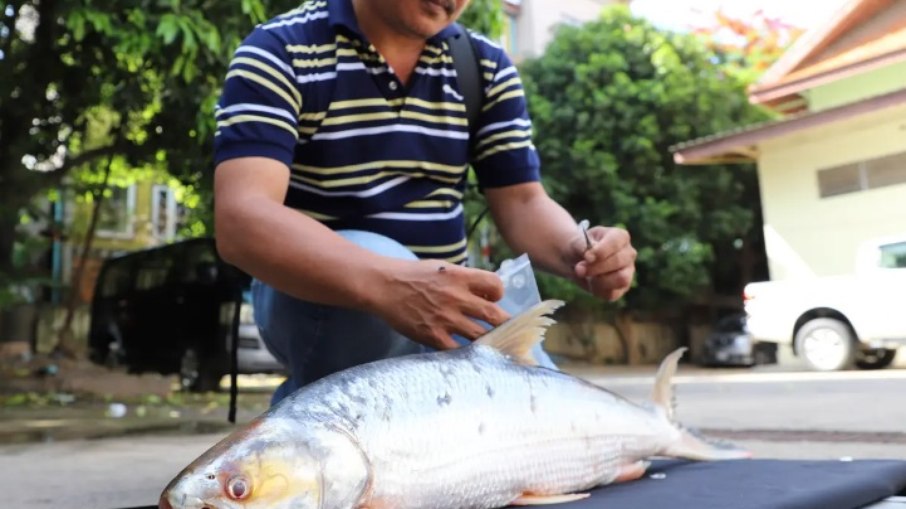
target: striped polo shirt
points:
(366, 152)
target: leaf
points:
(189, 44)
(76, 25)
(168, 28)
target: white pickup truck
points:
(838, 322)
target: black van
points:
(169, 310)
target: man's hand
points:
(430, 301)
(607, 269)
(531, 222)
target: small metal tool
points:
(583, 226)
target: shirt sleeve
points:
(258, 111)
(504, 153)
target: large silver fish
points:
(477, 427)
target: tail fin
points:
(692, 447)
(688, 446)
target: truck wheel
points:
(826, 344)
(877, 358)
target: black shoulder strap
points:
(465, 60)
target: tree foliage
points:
(81, 80)
(609, 99)
(88, 79)
(485, 17)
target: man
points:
(341, 153)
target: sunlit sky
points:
(679, 14)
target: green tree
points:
(608, 100)
(485, 17)
(83, 80)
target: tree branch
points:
(65, 344)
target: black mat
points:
(751, 484)
(754, 484)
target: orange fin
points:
(632, 471)
(549, 499)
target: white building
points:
(531, 23)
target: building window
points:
(862, 176)
(893, 256)
(117, 215)
(163, 213)
(887, 171)
(572, 21)
(512, 34)
(840, 180)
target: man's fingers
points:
(442, 340)
(612, 286)
(616, 262)
(606, 242)
(485, 310)
(469, 329)
(484, 284)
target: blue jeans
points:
(314, 340)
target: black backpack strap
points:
(465, 60)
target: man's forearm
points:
(297, 255)
(533, 223)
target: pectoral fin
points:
(517, 336)
(549, 499)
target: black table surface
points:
(750, 484)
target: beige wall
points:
(807, 235)
(855, 88)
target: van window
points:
(117, 278)
(200, 258)
(154, 270)
(893, 256)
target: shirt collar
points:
(341, 13)
(448, 31)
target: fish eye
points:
(238, 488)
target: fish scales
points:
(475, 448)
(478, 427)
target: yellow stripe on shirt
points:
(273, 72)
(502, 98)
(266, 83)
(373, 165)
(501, 148)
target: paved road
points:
(775, 412)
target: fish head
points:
(270, 465)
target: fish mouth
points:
(185, 503)
(164, 502)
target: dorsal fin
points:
(663, 382)
(517, 336)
